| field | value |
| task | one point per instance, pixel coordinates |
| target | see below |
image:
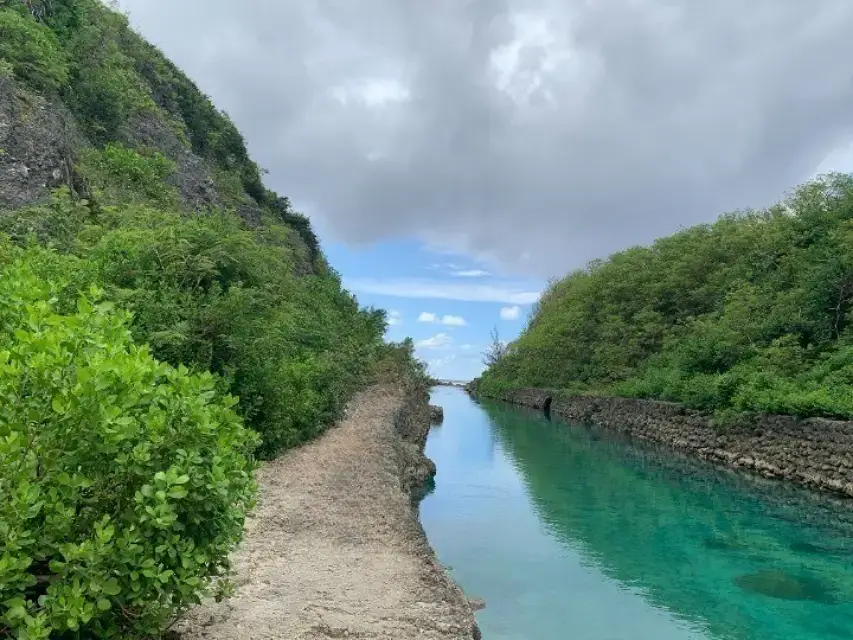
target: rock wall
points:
(37, 146)
(412, 422)
(817, 453)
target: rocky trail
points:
(335, 549)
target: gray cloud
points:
(533, 134)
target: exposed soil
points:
(335, 549)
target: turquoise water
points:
(572, 532)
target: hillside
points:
(107, 150)
(165, 320)
(749, 314)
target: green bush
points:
(6, 69)
(32, 50)
(212, 295)
(56, 224)
(124, 482)
(118, 174)
(104, 88)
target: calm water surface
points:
(576, 533)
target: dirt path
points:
(335, 550)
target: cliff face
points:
(38, 144)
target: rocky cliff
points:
(76, 80)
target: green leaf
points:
(111, 587)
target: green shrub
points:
(104, 88)
(207, 293)
(56, 224)
(124, 482)
(32, 50)
(212, 295)
(118, 174)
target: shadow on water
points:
(419, 493)
(747, 559)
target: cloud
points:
(469, 292)
(438, 363)
(394, 318)
(438, 341)
(450, 321)
(536, 133)
(510, 313)
(453, 269)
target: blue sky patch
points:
(448, 304)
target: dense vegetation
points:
(753, 313)
(151, 346)
(124, 481)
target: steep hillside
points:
(752, 313)
(106, 148)
(164, 320)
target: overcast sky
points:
(533, 134)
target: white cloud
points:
(471, 273)
(507, 293)
(510, 313)
(394, 318)
(373, 93)
(450, 321)
(438, 341)
(438, 363)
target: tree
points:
(496, 351)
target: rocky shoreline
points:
(817, 453)
(335, 548)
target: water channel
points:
(573, 532)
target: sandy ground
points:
(335, 550)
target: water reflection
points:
(565, 525)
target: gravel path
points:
(334, 549)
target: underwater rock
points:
(723, 543)
(782, 585)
